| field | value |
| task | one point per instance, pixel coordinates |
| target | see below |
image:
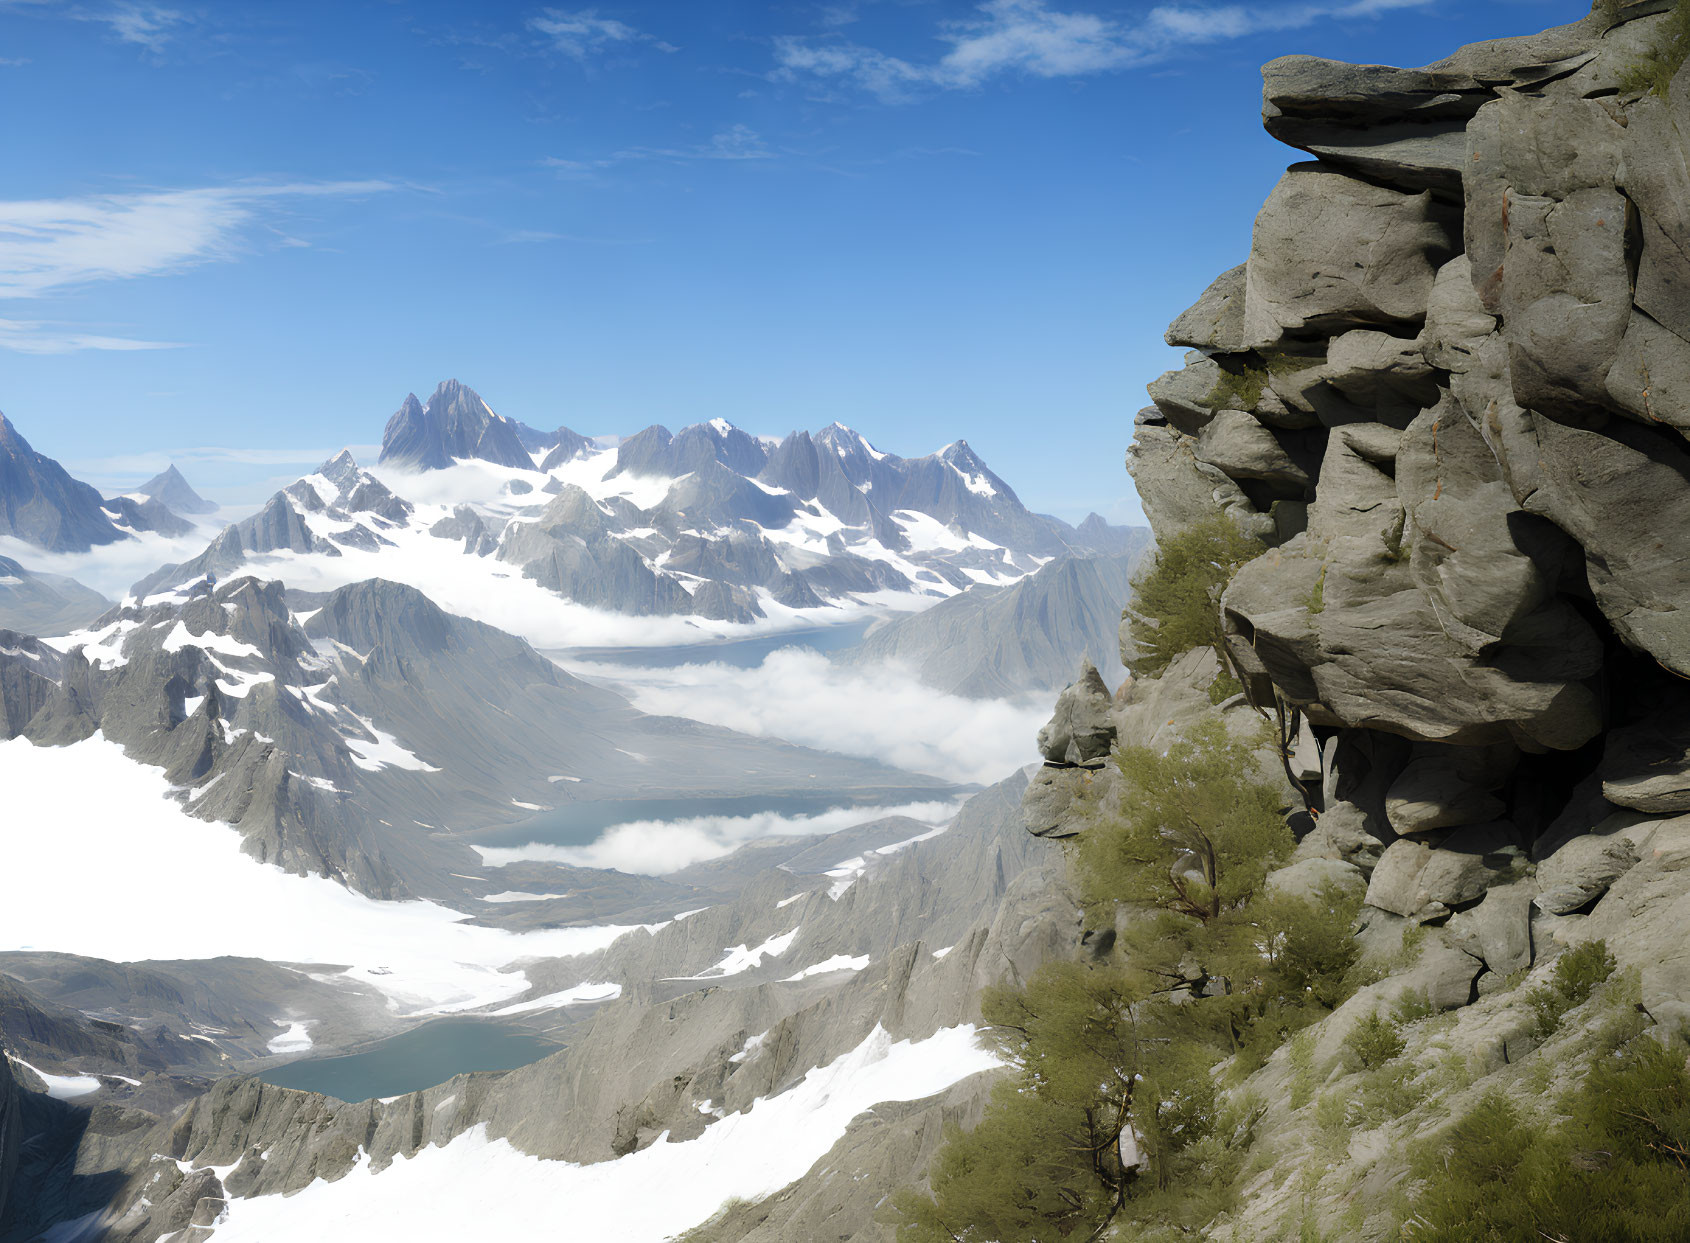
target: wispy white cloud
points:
(150, 26)
(582, 33)
(737, 142)
(659, 847)
(49, 245)
(147, 26)
(23, 336)
(1032, 38)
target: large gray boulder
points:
(1422, 882)
(1081, 731)
(1177, 490)
(1332, 253)
(1216, 320)
(1646, 764)
(1582, 871)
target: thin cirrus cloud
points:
(147, 26)
(583, 34)
(737, 142)
(53, 246)
(24, 336)
(1032, 38)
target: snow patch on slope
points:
(153, 882)
(746, 1155)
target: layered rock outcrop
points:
(1449, 389)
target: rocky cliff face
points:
(1445, 389)
(10, 1132)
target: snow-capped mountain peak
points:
(707, 523)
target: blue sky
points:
(238, 234)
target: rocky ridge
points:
(994, 642)
(710, 522)
(1441, 392)
(360, 733)
(926, 925)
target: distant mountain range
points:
(997, 641)
(169, 488)
(709, 522)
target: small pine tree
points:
(1176, 599)
(1047, 1155)
(1198, 832)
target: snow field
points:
(139, 878)
(746, 1155)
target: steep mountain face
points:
(990, 642)
(11, 1132)
(171, 489)
(854, 976)
(147, 514)
(1456, 445)
(41, 504)
(29, 672)
(364, 735)
(709, 523)
(456, 423)
(37, 603)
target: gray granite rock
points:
(1081, 730)
(1583, 870)
(1332, 253)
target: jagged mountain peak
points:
(455, 424)
(341, 469)
(847, 441)
(457, 396)
(169, 488)
(41, 504)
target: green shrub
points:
(1224, 687)
(1654, 69)
(1176, 598)
(1384, 1094)
(1577, 974)
(1237, 390)
(1413, 1006)
(1616, 1170)
(1302, 1069)
(1374, 1041)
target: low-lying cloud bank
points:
(658, 847)
(879, 711)
(110, 568)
